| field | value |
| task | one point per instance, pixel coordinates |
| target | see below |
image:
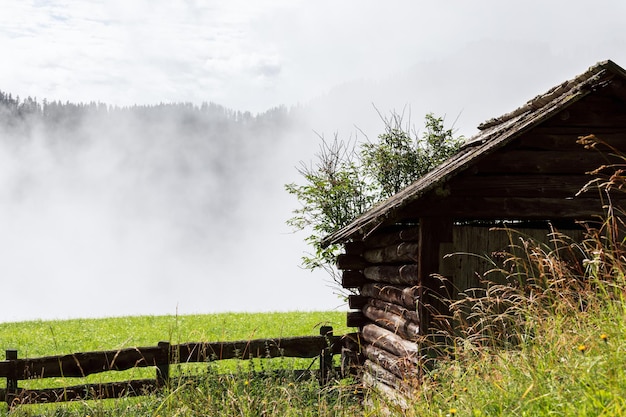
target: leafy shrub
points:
(346, 180)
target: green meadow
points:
(220, 393)
(40, 338)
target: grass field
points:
(40, 338)
(222, 394)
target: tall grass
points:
(245, 394)
(551, 345)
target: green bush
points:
(348, 179)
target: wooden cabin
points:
(525, 168)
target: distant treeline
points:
(17, 113)
(190, 159)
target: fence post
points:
(11, 391)
(326, 355)
(163, 367)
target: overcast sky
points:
(253, 55)
(469, 61)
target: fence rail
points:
(82, 364)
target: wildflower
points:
(582, 348)
(246, 382)
(604, 337)
(452, 412)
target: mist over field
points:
(149, 210)
(181, 208)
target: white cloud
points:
(257, 54)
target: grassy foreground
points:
(216, 394)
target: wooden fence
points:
(161, 357)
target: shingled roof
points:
(493, 134)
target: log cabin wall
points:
(383, 270)
(383, 273)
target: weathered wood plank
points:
(356, 302)
(593, 110)
(392, 322)
(86, 392)
(353, 279)
(5, 368)
(389, 394)
(579, 208)
(434, 232)
(391, 237)
(539, 186)
(391, 342)
(406, 384)
(404, 296)
(576, 130)
(83, 364)
(397, 365)
(404, 274)
(383, 375)
(353, 262)
(409, 314)
(473, 248)
(354, 248)
(537, 162)
(356, 319)
(565, 139)
(299, 347)
(395, 253)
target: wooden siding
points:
(383, 269)
(538, 175)
(477, 250)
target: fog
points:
(163, 210)
(179, 209)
